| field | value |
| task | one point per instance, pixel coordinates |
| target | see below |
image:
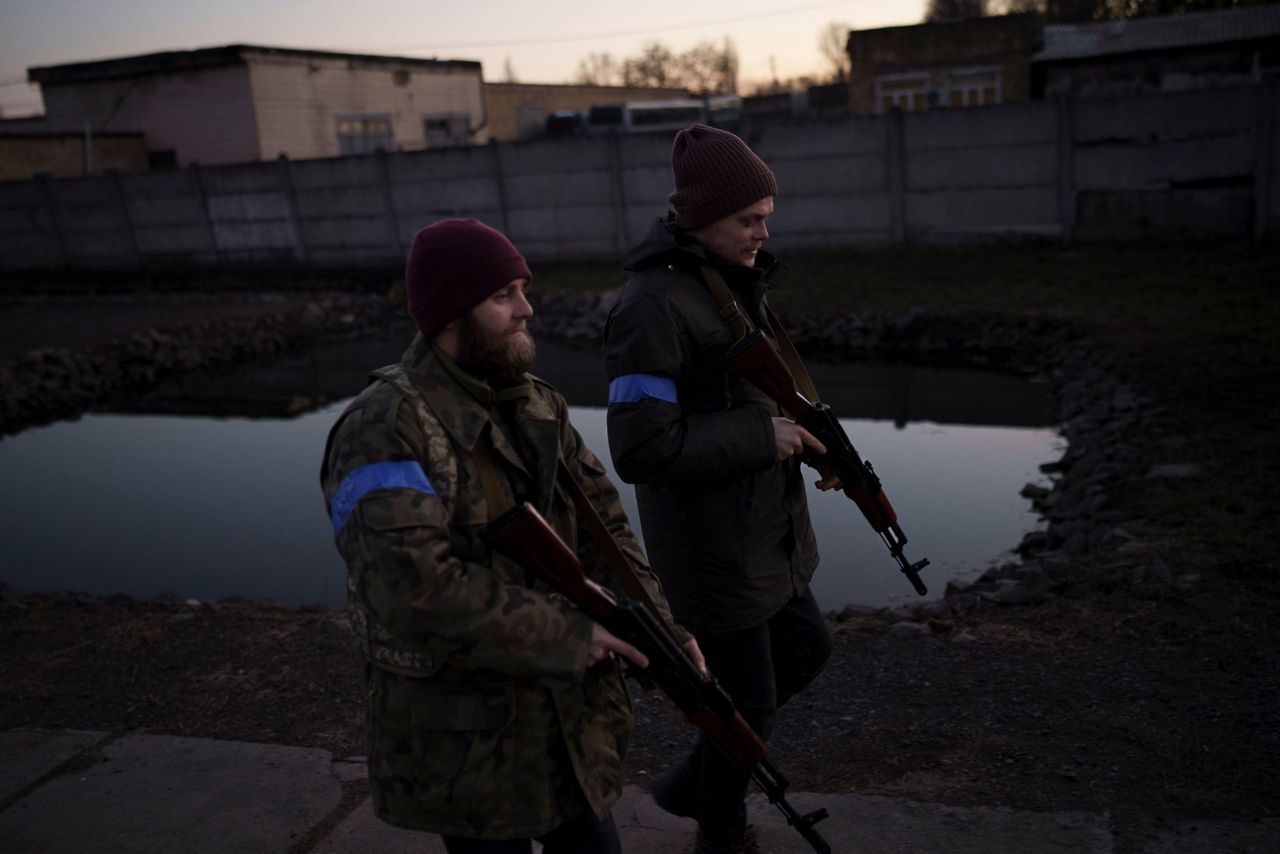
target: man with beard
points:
(716, 466)
(495, 711)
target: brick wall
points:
(62, 156)
(1005, 42)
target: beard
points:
(503, 357)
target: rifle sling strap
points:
(610, 551)
(732, 312)
(496, 500)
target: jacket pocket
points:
(462, 740)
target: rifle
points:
(757, 360)
(523, 536)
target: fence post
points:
(384, 172)
(1066, 168)
(55, 222)
(500, 185)
(202, 196)
(1263, 156)
(622, 235)
(896, 166)
(118, 186)
(285, 167)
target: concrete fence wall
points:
(1192, 164)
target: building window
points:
(974, 87)
(400, 77)
(445, 130)
(906, 91)
(914, 91)
(364, 134)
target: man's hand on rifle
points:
(792, 439)
(604, 642)
(695, 655)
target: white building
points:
(244, 102)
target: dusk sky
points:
(544, 41)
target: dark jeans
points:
(584, 834)
(761, 667)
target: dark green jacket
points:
(483, 719)
(726, 525)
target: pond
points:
(208, 487)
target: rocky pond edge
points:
(1106, 414)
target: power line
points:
(620, 33)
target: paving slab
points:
(856, 824)
(29, 754)
(165, 794)
(642, 826)
(361, 832)
(867, 823)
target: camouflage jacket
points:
(483, 719)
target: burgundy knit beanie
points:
(454, 265)
(716, 175)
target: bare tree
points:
(706, 69)
(655, 66)
(833, 42)
(943, 11)
(599, 69)
(508, 71)
(778, 86)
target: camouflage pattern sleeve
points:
(409, 564)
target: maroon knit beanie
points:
(716, 175)
(454, 265)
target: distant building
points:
(820, 101)
(828, 100)
(520, 110)
(969, 63)
(245, 102)
(69, 155)
(1159, 53)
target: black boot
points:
(676, 790)
(738, 841)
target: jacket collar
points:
(460, 400)
(464, 403)
(668, 243)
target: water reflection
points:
(214, 491)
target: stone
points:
(1174, 471)
(907, 630)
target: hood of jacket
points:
(668, 243)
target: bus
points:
(646, 116)
(724, 111)
(566, 123)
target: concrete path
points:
(67, 791)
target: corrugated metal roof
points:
(1160, 32)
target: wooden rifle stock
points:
(756, 359)
(524, 537)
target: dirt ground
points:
(1143, 703)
